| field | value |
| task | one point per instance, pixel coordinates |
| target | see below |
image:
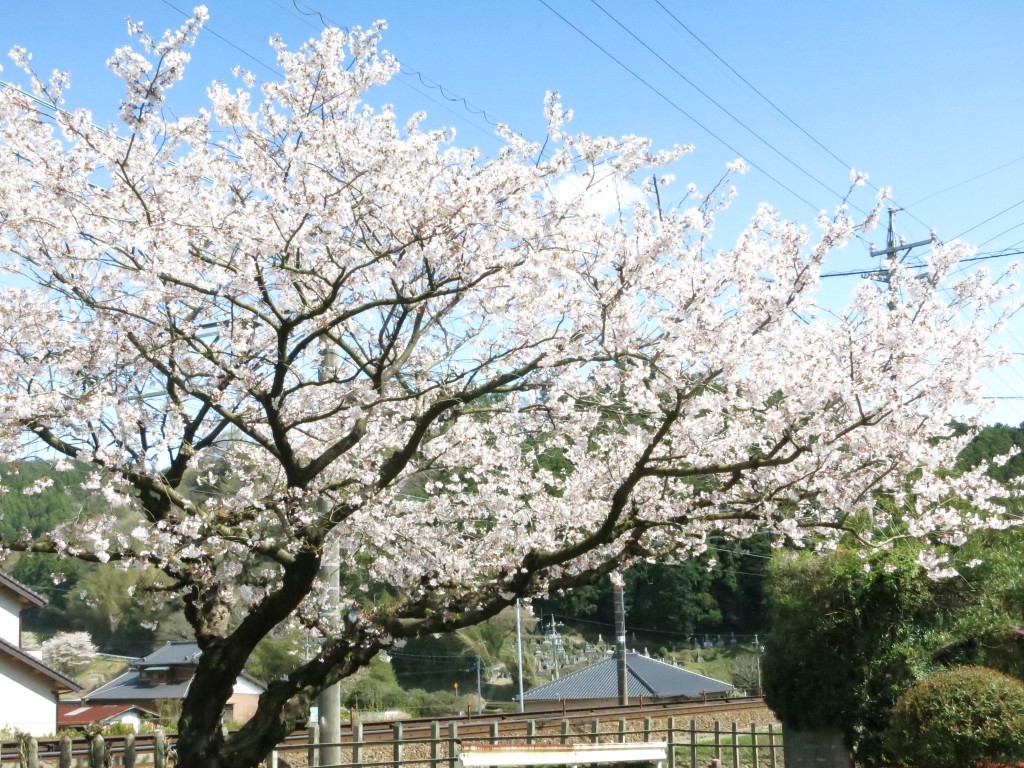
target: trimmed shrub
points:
(958, 718)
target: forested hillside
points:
(122, 609)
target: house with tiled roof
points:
(166, 674)
(29, 690)
(598, 685)
(79, 715)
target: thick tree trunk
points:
(200, 738)
(202, 745)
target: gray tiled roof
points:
(128, 687)
(24, 594)
(646, 677)
(174, 654)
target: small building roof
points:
(646, 677)
(77, 714)
(178, 653)
(13, 653)
(129, 686)
(24, 595)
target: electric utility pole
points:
(519, 657)
(479, 688)
(621, 667)
(893, 247)
(329, 701)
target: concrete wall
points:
(244, 700)
(243, 706)
(815, 749)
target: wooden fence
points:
(692, 743)
(95, 752)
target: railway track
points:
(470, 726)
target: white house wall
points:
(246, 686)
(27, 702)
(10, 619)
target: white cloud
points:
(606, 195)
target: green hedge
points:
(958, 718)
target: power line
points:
(448, 95)
(718, 104)
(750, 85)
(876, 270)
(221, 37)
(990, 218)
(648, 630)
(1004, 232)
(676, 106)
(968, 181)
(427, 82)
(771, 103)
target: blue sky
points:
(922, 95)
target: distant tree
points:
(121, 609)
(434, 663)
(374, 689)
(276, 655)
(69, 652)
(493, 641)
(745, 672)
(991, 443)
(39, 499)
(982, 610)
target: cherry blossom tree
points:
(479, 387)
(68, 652)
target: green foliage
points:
(168, 713)
(745, 672)
(958, 718)
(118, 729)
(37, 513)
(438, 663)
(435, 663)
(992, 442)
(40, 572)
(683, 598)
(121, 605)
(118, 608)
(51, 506)
(375, 689)
(420, 703)
(491, 639)
(844, 642)
(986, 605)
(275, 656)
